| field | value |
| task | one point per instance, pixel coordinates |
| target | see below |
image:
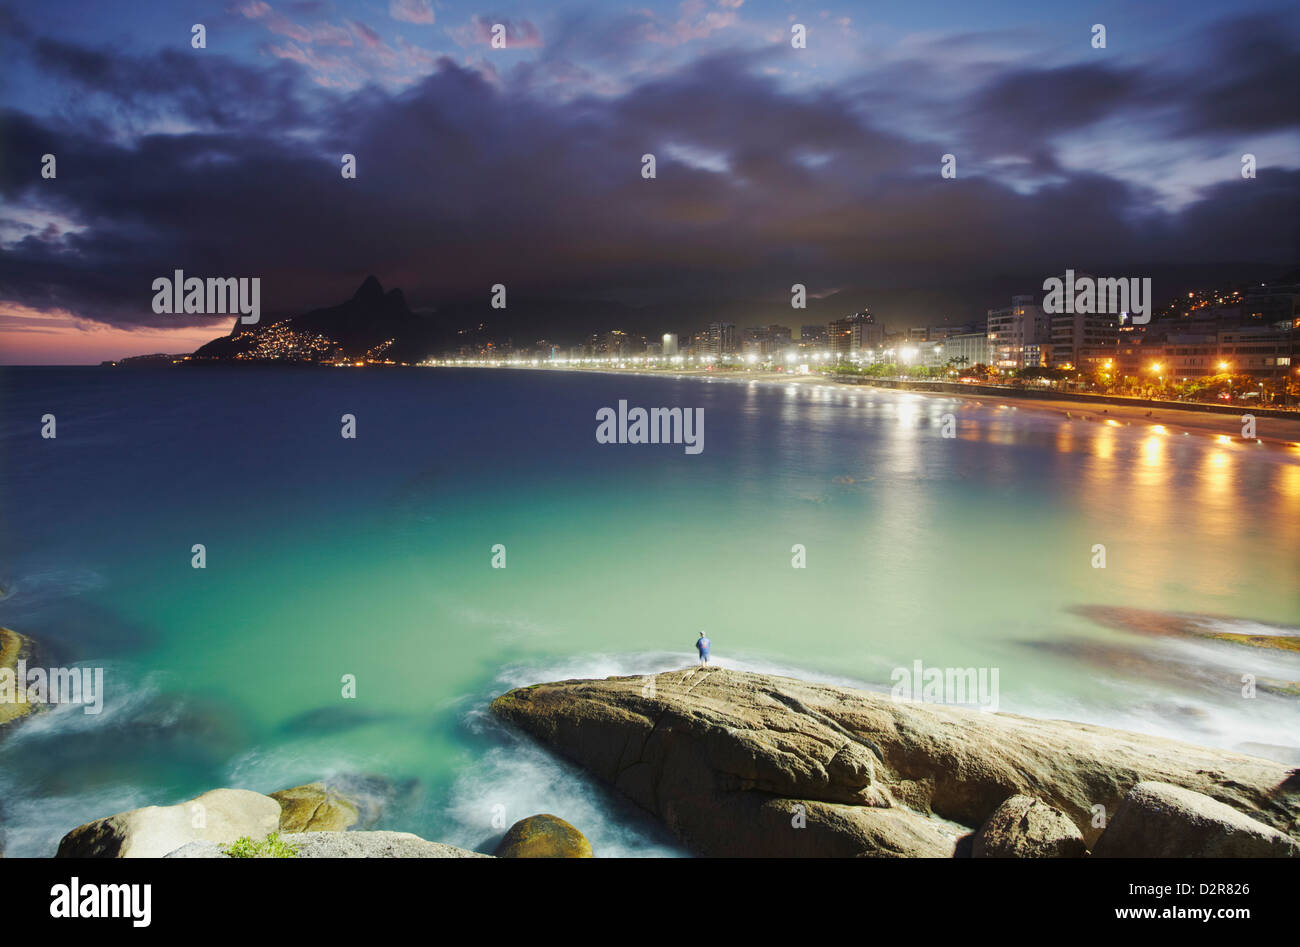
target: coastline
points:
(1171, 419)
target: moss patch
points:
(270, 847)
(1278, 642)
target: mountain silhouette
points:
(359, 326)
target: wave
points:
(34, 763)
(38, 588)
(518, 779)
(122, 702)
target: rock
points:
(151, 832)
(315, 807)
(345, 845)
(725, 758)
(1023, 827)
(198, 850)
(13, 692)
(1255, 634)
(346, 801)
(1157, 820)
(373, 795)
(543, 836)
(806, 828)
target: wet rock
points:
(13, 692)
(315, 807)
(374, 796)
(1179, 624)
(342, 802)
(543, 836)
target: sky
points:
(523, 165)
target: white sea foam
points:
(34, 823)
(33, 826)
(1200, 701)
(39, 587)
(124, 696)
(269, 770)
(507, 783)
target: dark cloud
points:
(1034, 104)
(1248, 82)
(1237, 76)
(209, 89)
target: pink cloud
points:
(519, 34)
(695, 20)
(368, 36)
(325, 34)
(373, 58)
(253, 9)
(411, 11)
(331, 71)
(416, 55)
(374, 45)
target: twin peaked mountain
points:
(379, 324)
(373, 323)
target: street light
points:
(1156, 369)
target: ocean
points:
(371, 559)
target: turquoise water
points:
(372, 557)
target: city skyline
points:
(1195, 336)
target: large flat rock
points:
(737, 763)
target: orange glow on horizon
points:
(30, 336)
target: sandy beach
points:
(1169, 419)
